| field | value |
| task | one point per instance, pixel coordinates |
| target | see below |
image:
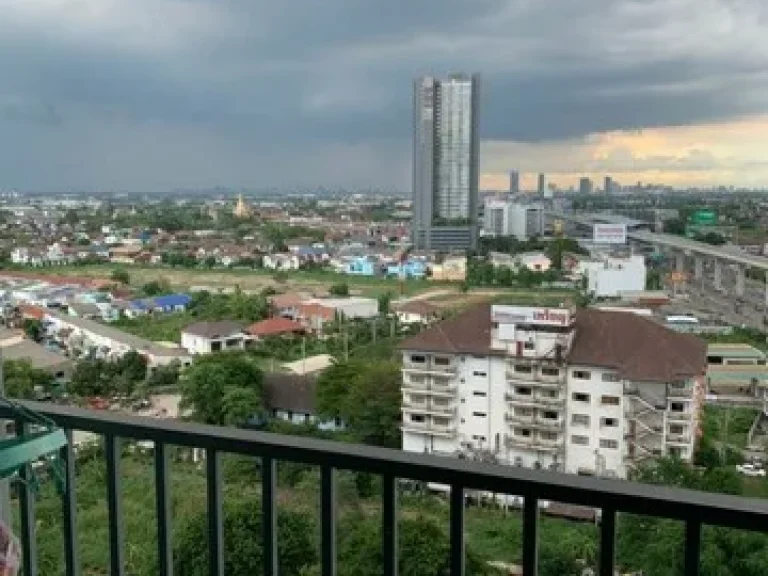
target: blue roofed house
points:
(409, 269)
(361, 266)
(171, 303)
(136, 308)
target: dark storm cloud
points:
(247, 92)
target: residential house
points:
(453, 269)
(91, 311)
(277, 326)
(292, 398)
(124, 254)
(208, 337)
(85, 337)
(408, 269)
(285, 261)
(362, 266)
(171, 303)
(416, 312)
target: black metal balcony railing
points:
(694, 509)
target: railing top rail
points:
(661, 501)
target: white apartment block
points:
(591, 393)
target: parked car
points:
(755, 469)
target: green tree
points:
(33, 328)
(156, 288)
(341, 289)
(121, 276)
(22, 380)
(385, 300)
(424, 549)
(163, 376)
(366, 396)
(223, 389)
(92, 377)
(243, 537)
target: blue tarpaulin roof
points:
(172, 300)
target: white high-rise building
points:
(504, 218)
(591, 392)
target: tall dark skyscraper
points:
(514, 182)
(585, 185)
(542, 184)
(608, 186)
(445, 163)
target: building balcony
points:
(513, 418)
(429, 407)
(548, 401)
(680, 392)
(439, 370)
(679, 439)
(554, 424)
(611, 497)
(519, 399)
(431, 389)
(679, 416)
(429, 428)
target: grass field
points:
(256, 279)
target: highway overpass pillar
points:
(698, 268)
(718, 275)
(740, 273)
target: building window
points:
(609, 400)
(524, 432)
(521, 369)
(524, 412)
(418, 359)
(677, 407)
(548, 436)
(580, 440)
(523, 390)
(550, 372)
(549, 415)
(478, 438)
(418, 418)
(479, 393)
(606, 443)
(580, 397)
(675, 429)
(441, 361)
(530, 346)
(479, 414)
(581, 375)
(580, 420)
(481, 374)
(609, 422)
(610, 377)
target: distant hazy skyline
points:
(163, 94)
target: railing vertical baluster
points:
(215, 521)
(530, 536)
(163, 507)
(69, 506)
(692, 547)
(328, 520)
(457, 530)
(268, 514)
(27, 510)
(607, 541)
(114, 505)
(389, 524)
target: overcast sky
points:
(158, 94)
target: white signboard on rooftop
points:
(610, 234)
(530, 315)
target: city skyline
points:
(163, 94)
